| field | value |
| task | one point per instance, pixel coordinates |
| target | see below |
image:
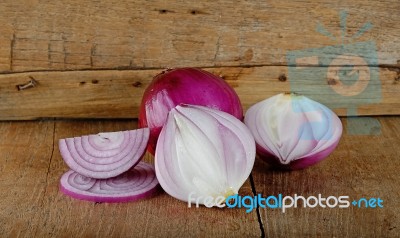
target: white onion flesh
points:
(203, 152)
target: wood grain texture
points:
(118, 93)
(361, 166)
(26, 149)
(245, 42)
(57, 35)
(32, 206)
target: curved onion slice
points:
(138, 182)
(203, 153)
(104, 155)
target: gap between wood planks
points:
(394, 67)
(51, 156)
(253, 189)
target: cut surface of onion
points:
(104, 155)
(203, 153)
(138, 182)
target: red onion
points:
(203, 153)
(187, 86)
(104, 155)
(292, 131)
(137, 183)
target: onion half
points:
(293, 131)
(203, 153)
(136, 183)
(104, 155)
(184, 86)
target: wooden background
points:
(93, 59)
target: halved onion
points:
(203, 153)
(138, 182)
(293, 131)
(104, 155)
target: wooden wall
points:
(93, 59)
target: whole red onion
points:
(184, 86)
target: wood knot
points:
(282, 78)
(331, 81)
(95, 81)
(248, 55)
(164, 11)
(137, 84)
(397, 78)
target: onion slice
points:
(138, 182)
(104, 155)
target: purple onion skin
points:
(301, 163)
(185, 86)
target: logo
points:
(343, 76)
(283, 202)
(286, 202)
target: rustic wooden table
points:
(32, 206)
(94, 59)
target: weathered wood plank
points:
(26, 149)
(361, 166)
(117, 93)
(32, 206)
(43, 35)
